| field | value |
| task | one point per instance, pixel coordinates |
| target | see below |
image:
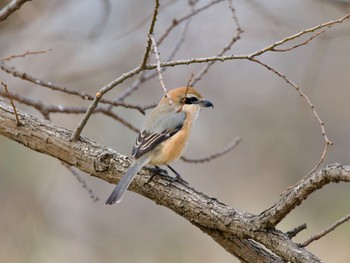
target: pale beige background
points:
(46, 216)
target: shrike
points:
(164, 135)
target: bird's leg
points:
(155, 170)
(177, 176)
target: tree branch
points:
(326, 231)
(213, 217)
(25, 54)
(232, 145)
(111, 85)
(98, 97)
(10, 8)
(334, 173)
(64, 89)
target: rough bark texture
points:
(251, 238)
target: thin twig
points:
(76, 134)
(301, 44)
(176, 22)
(150, 32)
(226, 48)
(323, 155)
(188, 85)
(186, 92)
(222, 152)
(149, 106)
(99, 94)
(234, 15)
(312, 107)
(334, 173)
(81, 181)
(11, 7)
(46, 110)
(25, 54)
(133, 87)
(82, 94)
(292, 233)
(326, 231)
(182, 35)
(269, 48)
(159, 69)
(326, 25)
(144, 76)
(142, 22)
(18, 123)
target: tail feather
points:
(119, 191)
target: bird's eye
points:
(191, 100)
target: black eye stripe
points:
(191, 100)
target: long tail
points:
(119, 191)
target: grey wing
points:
(158, 132)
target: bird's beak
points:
(205, 103)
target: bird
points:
(164, 135)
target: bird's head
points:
(188, 99)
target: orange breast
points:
(172, 149)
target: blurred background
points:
(46, 215)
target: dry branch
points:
(64, 89)
(11, 7)
(111, 85)
(232, 145)
(159, 69)
(212, 216)
(312, 107)
(46, 110)
(12, 104)
(326, 231)
(143, 66)
(330, 174)
(23, 55)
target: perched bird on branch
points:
(164, 135)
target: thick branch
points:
(215, 218)
(10, 8)
(247, 251)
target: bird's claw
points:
(157, 170)
(179, 179)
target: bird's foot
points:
(179, 179)
(156, 171)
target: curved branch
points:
(232, 145)
(333, 173)
(213, 217)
